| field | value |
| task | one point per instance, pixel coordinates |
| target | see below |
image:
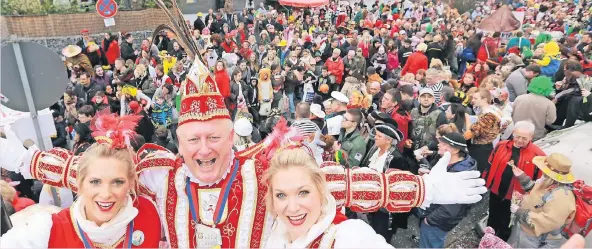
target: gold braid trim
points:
(366, 190)
(60, 164)
(190, 116)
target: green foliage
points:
(35, 7)
(44, 7)
(20, 7)
(152, 3)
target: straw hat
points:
(556, 166)
(71, 51)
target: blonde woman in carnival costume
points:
(108, 213)
(210, 175)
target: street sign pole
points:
(23, 74)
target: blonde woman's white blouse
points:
(351, 233)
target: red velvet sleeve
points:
(366, 190)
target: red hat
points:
(84, 31)
(229, 35)
(308, 38)
(378, 23)
(200, 98)
(135, 107)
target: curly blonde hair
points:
(437, 64)
(493, 81)
(409, 77)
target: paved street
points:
(462, 236)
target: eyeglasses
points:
(521, 138)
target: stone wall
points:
(57, 43)
(3, 27)
(71, 24)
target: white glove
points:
(444, 187)
(12, 151)
(514, 208)
(315, 146)
(317, 139)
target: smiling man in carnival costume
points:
(184, 188)
(210, 172)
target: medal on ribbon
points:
(205, 236)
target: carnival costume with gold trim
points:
(135, 225)
(66, 228)
(244, 221)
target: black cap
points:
(383, 117)
(390, 131)
(455, 140)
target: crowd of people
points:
(405, 85)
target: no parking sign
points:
(106, 8)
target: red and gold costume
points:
(245, 222)
(136, 223)
(65, 232)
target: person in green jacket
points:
(350, 139)
(359, 15)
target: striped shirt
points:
(437, 88)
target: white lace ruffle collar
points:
(203, 184)
(109, 232)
